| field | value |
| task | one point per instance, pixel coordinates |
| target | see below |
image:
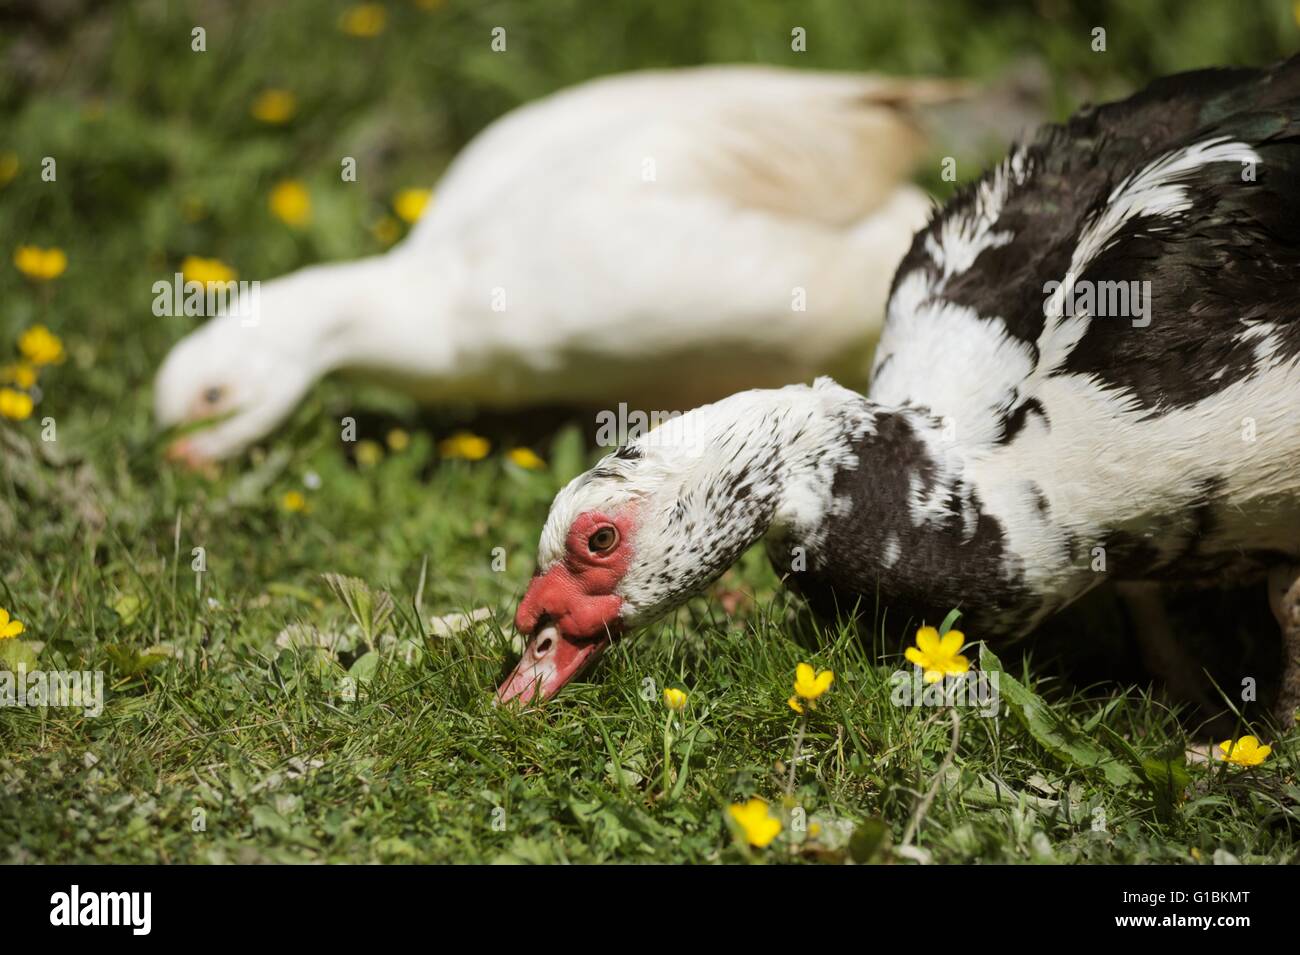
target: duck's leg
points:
(1162, 654)
(1284, 598)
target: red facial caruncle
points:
(571, 609)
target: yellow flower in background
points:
(398, 440)
(40, 264)
(40, 346)
(9, 628)
(1247, 751)
(759, 825)
(526, 459)
(15, 405)
(937, 655)
(8, 167)
(410, 204)
(369, 453)
(295, 502)
(20, 373)
(675, 699)
(364, 20)
(465, 446)
(274, 107)
(809, 684)
(290, 202)
(386, 230)
(206, 271)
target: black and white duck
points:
(1090, 371)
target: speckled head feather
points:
(707, 484)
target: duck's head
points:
(234, 375)
(656, 522)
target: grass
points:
(219, 743)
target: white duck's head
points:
(246, 370)
(664, 516)
(237, 377)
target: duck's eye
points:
(213, 394)
(603, 541)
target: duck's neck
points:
(379, 315)
(901, 526)
(859, 504)
(723, 476)
(850, 473)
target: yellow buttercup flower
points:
(207, 271)
(398, 440)
(20, 373)
(364, 20)
(410, 204)
(675, 699)
(937, 655)
(295, 502)
(40, 346)
(8, 167)
(9, 628)
(15, 405)
(274, 107)
(40, 264)
(1246, 751)
(290, 202)
(809, 684)
(526, 459)
(465, 446)
(759, 825)
(369, 453)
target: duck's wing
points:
(819, 147)
(825, 148)
(1190, 185)
(1214, 248)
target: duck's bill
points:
(182, 451)
(549, 662)
(180, 447)
(184, 455)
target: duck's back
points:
(669, 237)
(1109, 323)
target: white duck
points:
(666, 237)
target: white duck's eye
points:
(603, 541)
(214, 394)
